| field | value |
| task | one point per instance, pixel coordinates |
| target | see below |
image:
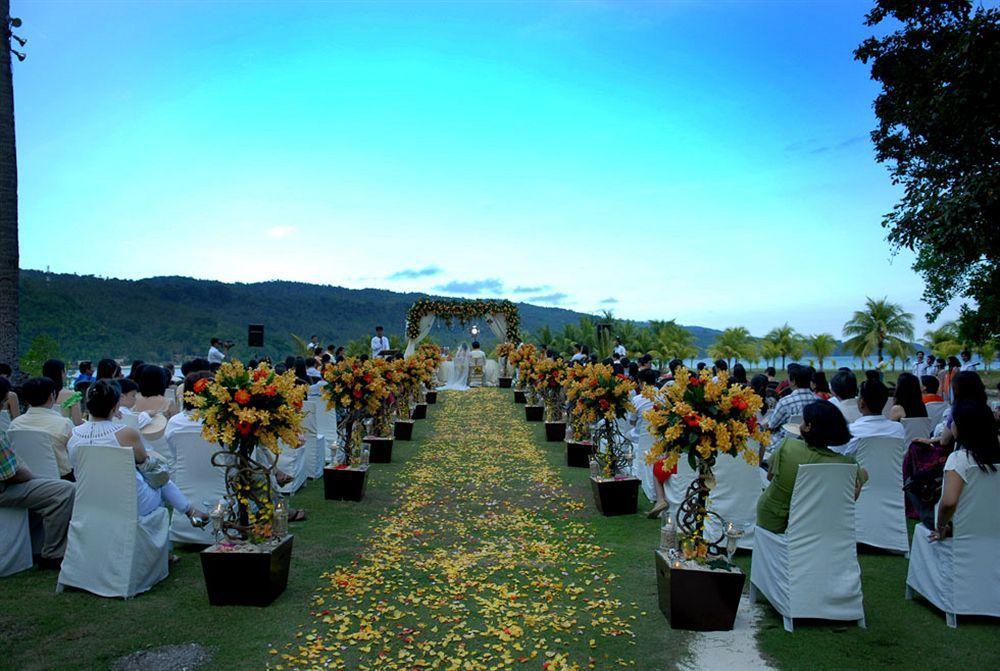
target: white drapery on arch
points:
(496, 321)
(426, 322)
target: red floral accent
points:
(244, 428)
(199, 386)
(242, 397)
(692, 419)
(604, 404)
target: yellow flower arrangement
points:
(598, 396)
(547, 377)
(700, 417)
(240, 410)
(361, 390)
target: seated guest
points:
(183, 422)
(312, 371)
(40, 395)
(823, 427)
(719, 366)
(102, 402)
(820, 387)
(772, 382)
(193, 366)
(929, 388)
(799, 397)
(975, 431)
(301, 371)
(108, 369)
(9, 402)
(51, 500)
(872, 423)
(647, 381)
(55, 370)
(758, 383)
(908, 401)
(129, 394)
(86, 373)
(739, 375)
(152, 381)
(632, 372)
(133, 371)
(844, 387)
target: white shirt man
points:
(967, 363)
(919, 366)
(870, 426)
(379, 343)
(620, 350)
(215, 355)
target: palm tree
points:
(769, 351)
(733, 344)
(879, 323)
(545, 337)
(944, 340)
(987, 352)
(787, 342)
(674, 341)
(9, 261)
(299, 345)
(897, 349)
(822, 345)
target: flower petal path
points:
(483, 564)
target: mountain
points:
(173, 318)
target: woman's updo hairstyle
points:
(102, 397)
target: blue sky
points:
(708, 162)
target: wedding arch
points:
(502, 317)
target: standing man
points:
(619, 347)
(967, 363)
(314, 343)
(919, 367)
(379, 343)
(215, 353)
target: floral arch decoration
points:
(502, 317)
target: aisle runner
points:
(480, 566)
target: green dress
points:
(773, 504)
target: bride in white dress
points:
(458, 380)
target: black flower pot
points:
(534, 413)
(578, 454)
(379, 449)
(616, 497)
(696, 599)
(246, 578)
(403, 429)
(555, 432)
(419, 411)
(505, 382)
(344, 484)
(520, 396)
(431, 397)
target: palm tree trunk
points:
(9, 261)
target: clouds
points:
(554, 298)
(476, 287)
(609, 301)
(529, 290)
(816, 146)
(415, 273)
(280, 232)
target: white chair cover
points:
(935, 412)
(734, 499)
(917, 427)
(491, 373)
(199, 481)
(15, 550)
(812, 569)
(676, 486)
(34, 450)
(315, 449)
(641, 442)
(961, 575)
(880, 514)
(110, 551)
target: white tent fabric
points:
(201, 482)
(880, 514)
(734, 499)
(15, 551)
(916, 427)
(961, 575)
(498, 326)
(425, 325)
(34, 450)
(812, 570)
(110, 551)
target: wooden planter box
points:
(246, 578)
(505, 382)
(431, 397)
(403, 429)
(578, 454)
(379, 449)
(419, 411)
(616, 497)
(696, 599)
(520, 396)
(344, 484)
(555, 432)
(534, 413)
